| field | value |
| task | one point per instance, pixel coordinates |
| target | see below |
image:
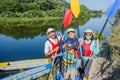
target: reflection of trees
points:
(30, 29)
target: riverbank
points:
(108, 68)
(35, 21)
(28, 19)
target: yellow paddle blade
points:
(84, 78)
(75, 7)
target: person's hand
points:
(97, 41)
(64, 46)
(56, 49)
(80, 41)
(62, 37)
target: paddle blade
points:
(67, 18)
(113, 8)
(79, 78)
(84, 78)
(75, 7)
(59, 76)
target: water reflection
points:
(18, 31)
(21, 41)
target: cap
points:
(50, 30)
(89, 30)
(71, 30)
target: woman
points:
(91, 47)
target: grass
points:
(116, 37)
(28, 19)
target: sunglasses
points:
(88, 34)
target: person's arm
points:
(61, 45)
(80, 40)
(62, 41)
(47, 49)
(65, 44)
(61, 54)
(95, 47)
(77, 45)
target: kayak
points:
(23, 64)
(30, 74)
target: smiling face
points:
(88, 35)
(52, 34)
(71, 34)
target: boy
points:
(71, 40)
(70, 60)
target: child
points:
(70, 60)
(91, 47)
(71, 40)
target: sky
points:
(96, 4)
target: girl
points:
(91, 47)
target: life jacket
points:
(54, 46)
(88, 52)
(69, 62)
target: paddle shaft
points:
(103, 28)
(77, 28)
(52, 64)
(79, 37)
(63, 18)
(62, 32)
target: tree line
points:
(38, 8)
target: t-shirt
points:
(48, 46)
(73, 41)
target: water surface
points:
(20, 43)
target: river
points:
(13, 47)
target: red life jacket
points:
(54, 46)
(88, 52)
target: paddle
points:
(75, 7)
(112, 10)
(50, 72)
(59, 76)
(67, 18)
(68, 1)
(63, 18)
